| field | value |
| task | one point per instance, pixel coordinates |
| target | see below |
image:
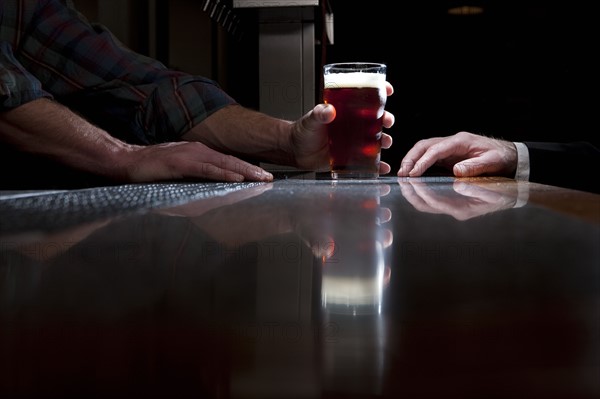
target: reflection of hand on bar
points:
(473, 197)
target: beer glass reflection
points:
(354, 273)
(357, 91)
(354, 277)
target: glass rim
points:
(354, 65)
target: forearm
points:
(247, 134)
(46, 128)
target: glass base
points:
(354, 175)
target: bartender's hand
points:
(309, 141)
(472, 199)
(464, 153)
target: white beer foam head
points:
(354, 79)
(351, 290)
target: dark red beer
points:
(355, 134)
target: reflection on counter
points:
(432, 287)
(354, 273)
(468, 198)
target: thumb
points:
(314, 120)
(320, 114)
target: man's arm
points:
(253, 135)
(45, 128)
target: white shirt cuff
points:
(522, 175)
(522, 172)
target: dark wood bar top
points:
(301, 288)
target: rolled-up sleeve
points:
(148, 113)
(17, 85)
(177, 103)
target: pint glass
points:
(357, 91)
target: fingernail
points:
(263, 175)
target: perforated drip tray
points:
(21, 211)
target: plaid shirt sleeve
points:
(84, 66)
(17, 86)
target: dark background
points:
(521, 70)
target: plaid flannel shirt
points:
(48, 49)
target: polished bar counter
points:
(303, 288)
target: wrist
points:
(117, 161)
(507, 158)
(245, 133)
